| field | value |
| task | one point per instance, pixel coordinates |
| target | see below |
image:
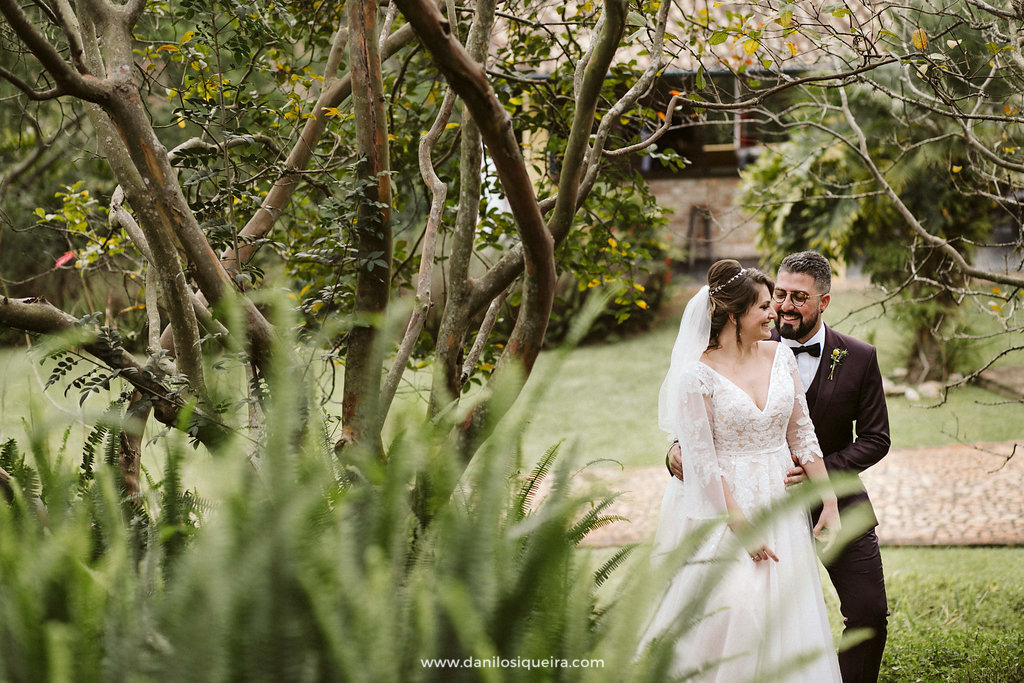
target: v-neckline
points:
(771, 378)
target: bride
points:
(734, 401)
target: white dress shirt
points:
(806, 364)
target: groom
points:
(844, 392)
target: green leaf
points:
(636, 19)
(718, 37)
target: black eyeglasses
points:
(798, 298)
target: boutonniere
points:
(838, 356)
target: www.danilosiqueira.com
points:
(515, 663)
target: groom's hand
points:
(675, 461)
(795, 475)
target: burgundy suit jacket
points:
(849, 413)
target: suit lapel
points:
(820, 392)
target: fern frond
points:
(593, 520)
(600, 523)
(171, 499)
(193, 503)
(13, 462)
(613, 563)
(528, 492)
(9, 454)
(112, 447)
(92, 442)
(150, 481)
(30, 483)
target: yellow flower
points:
(838, 356)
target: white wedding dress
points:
(762, 621)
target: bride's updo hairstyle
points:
(733, 290)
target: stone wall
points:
(732, 234)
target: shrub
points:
(306, 569)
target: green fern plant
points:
(22, 474)
(298, 566)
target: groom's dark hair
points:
(810, 263)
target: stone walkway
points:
(952, 495)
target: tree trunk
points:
(927, 359)
(455, 319)
(361, 397)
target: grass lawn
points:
(27, 410)
(24, 406)
(957, 614)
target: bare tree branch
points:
(468, 78)
(457, 313)
(361, 417)
(629, 100)
(68, 79)
(574, 158)
(836, 79)
(993, 10)
(385, 29)
(961, 264)
(335, 91)
(473, 357)
(230, 142)
(133, 10)
(38, 315)
(653, 138)
(28, 90)
(439, 192)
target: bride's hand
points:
(763, 553)
(827, 529)
(741, 527)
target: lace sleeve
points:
(694, 420)
(803, 444)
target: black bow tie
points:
(813, 349)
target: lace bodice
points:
(727, 435)
(738, 426)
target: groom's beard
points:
(798, 331)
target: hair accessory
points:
(725, 284)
